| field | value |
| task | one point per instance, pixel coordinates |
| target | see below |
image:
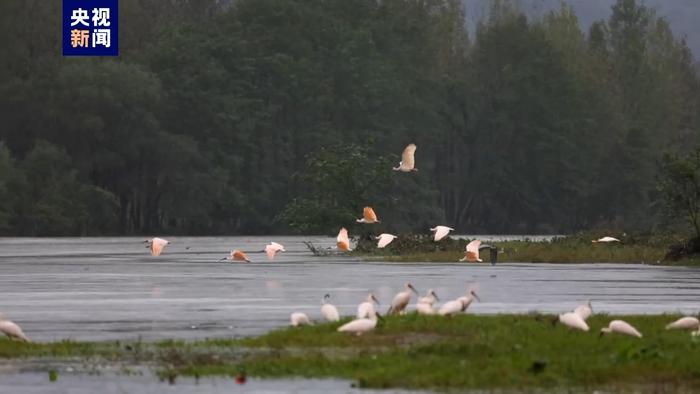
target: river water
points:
(111, 288)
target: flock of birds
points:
(367, 315)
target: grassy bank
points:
(485, 352)
(570, 249)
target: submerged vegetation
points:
(481, 352)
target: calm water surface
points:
(111, 288)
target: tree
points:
(680, 186)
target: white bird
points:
(368, 216)
(605, 240)
(620, 327)
(329, 311)
(156, 245)
(299, 319)
(459, 305)
(472, 251)
(584, 310)
(684, 323)
(573, 320)
(366, 309)
(424, 306)
(408, 159)
(401, 299)
(272, 249)
(385, 239)
(343, 240)
(361, 326)
(12, 330)
(441, 232)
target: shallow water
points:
(111, 288)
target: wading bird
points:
(329, 311)
(299, 319)
(368, 216)
(584, 310)
(572, 320)
(343, 240)
(236, 255)
(401, 299)
(684, 323)
(459, 305)
(441, 232)
(361, 326)
(272, 249)
(620, 327)
(408, 161)
(366, 308)
(156, 245)
(12, 330)
(385, 239)
(605, 240)
(424, 306)
(472, 252)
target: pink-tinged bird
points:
(408, 159)
(441, 232)
(424, 306)
(361, 325)
(12, 330)
(401, 299)
(156, 245)
(236, 255)
(459, 305)
(343, 240)
(368, 216)
(272, 250)
(605, 240)
(299, 319)
(620, 327)
(366, 308)
(573, 320)
(584, 310)
(384, 240)
(684, 323)
(472, 252)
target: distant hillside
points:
(683, 14)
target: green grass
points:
(466, 352)
(571, 249)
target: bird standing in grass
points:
(684, 323)
(584, 310)
(329, 311)
(424, 306)
(368, 216)
(361, 326)
(408, 160)
(620, 327)
(441, 232)
(459, 305)
(605, 240)
(401, 299)
(366, 308)
(573, 320)
(12, 330)
(299, 319)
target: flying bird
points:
(329, 311)
(472, 252)
(368, 216)
(156, 245)
(441, 232)
(605, 240)
(362, 325)
(343, 240)
(408, 162)
(272, 249)
(573, 320)
(385, 239)
(401, 299)
(684, 323)
(236, 255)
(299, 319)
(584, 310)
(12, 330)
(620, 327)
(366, 308)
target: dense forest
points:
(277, 116)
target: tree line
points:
(276, 116)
